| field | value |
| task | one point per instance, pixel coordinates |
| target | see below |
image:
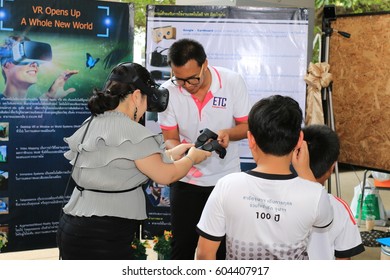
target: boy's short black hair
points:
(324, 148)
(275, 122)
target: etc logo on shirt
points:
(219, 102)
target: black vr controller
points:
(202, 142)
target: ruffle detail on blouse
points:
(112, 136)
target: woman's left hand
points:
(178, 152)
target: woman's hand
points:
(197, 155)
(178, 151)
(170, 172)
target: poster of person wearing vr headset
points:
(33, 69)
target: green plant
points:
(3, 240)
(141, 11)
(162, 244)
(139, 249)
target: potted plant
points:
(139, 249)
(162, 245)
(3, 240)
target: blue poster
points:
(53, 53)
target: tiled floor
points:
(348, 180)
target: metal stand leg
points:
(327, 92)
(362, 197)
(331, 124)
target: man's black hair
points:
(184, 50)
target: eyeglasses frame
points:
(199, 76)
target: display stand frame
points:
(328, 17)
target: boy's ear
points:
(327, 174)
(251, 140)
(300, 140)
(332, 167)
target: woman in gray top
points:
(112, 156)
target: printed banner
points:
(158, 209)
(268, 46)
(53, 53)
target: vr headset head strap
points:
(157, 96)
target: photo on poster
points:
(3, 180)
(164, 32)
(4, 205)
(3, 153)
(4, 229)
(157, 195)
(73, 49)
(4, 131)
(158, 209)
(56, 69)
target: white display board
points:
(267, 46)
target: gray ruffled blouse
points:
(106, 162)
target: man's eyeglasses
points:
(193, 81)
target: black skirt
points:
(96, 238)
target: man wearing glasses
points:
(201, 96)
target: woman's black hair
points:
(117, 90)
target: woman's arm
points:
(166, 173)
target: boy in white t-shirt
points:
(342, 240)
(268, 212)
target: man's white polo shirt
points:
(226, 102)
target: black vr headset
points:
(157, 97)
(158, 59)
(30, 51)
